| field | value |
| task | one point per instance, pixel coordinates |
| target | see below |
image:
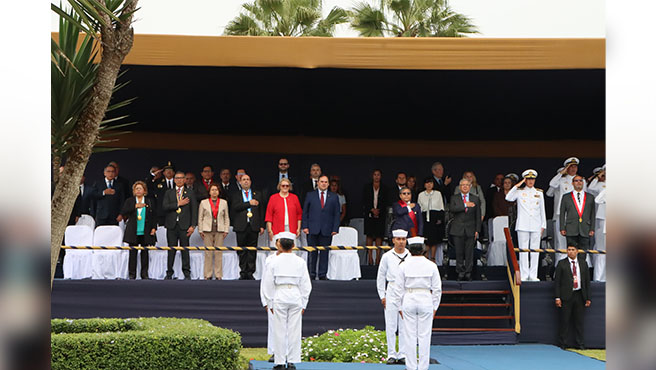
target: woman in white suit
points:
(213, 226)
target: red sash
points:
(215, 209)
(207, 186)
(579, 211)
(413, 217)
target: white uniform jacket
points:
(531, 215)
(286, 280)
(388, 269)
(418, 276)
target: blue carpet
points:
(493, 357)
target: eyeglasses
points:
(284, 186)
(579, 180)
(406, 193)
(283, 164)
(179, 178)
(465, 184)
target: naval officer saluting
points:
(531, 222)
(387, 272)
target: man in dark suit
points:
(160, 186)
(181, 217)
(465, 208)
(577, 216)
(247, 219)
(282, 173)
(320, 222)
(122, 182)
(495, 187)
(207, 179)
(442, 183)
(572, 289)
(83, 202)
(109, 199)
(310, 184)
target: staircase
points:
(477, 312)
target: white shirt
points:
(267, 263)
(600, 201)
(418, 273)
(282, 176)
(531, 214)
(432, 201)
(578, 197)
(578, 271)
(376, 191)
(286, 280)
(388, 269)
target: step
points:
(473, 329)
(508, 317)
(475, 305)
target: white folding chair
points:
(77, 262)
(230, 259)
(196, 258)
(496, 255)
(109, 264)
(157, 259)
(86, 220)
(344, 264)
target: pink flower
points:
(311, 358)
(336, 334)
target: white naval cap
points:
(530, 174)
(513, 176)
(571, 160)
(285, 235)
(416, 240)
(399, 233)
(597, 170)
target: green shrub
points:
(366, 345)
(144, 343)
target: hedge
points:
(143, 343)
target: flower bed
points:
(144, 343)
(346, 345)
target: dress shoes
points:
(272, 358)
(391, 361)
(460, 277)
(291, 367)
(400, 361)
(187, 277)
(433, 361)
(468, 277)
(279, 367)
(168, 277)
(323, 278)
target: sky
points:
(494, 18)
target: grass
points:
(599, 354)
(248, 354)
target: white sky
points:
(494, 18)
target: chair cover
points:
(157, 259)
(197, 258)
(262, 240)
(77, 263)
(86, 220)
(109, 264)
(344, 265)
(497, 248)
(230, 258)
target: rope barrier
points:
(307, 249)
(558, 251)
(203, 248)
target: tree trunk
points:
(116, 44)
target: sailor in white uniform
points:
(531, 222)
(267, 261)
(286, 288)
(558, 186)
(417, 291)
(600, 237)
(387, 271)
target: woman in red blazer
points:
(275, 213)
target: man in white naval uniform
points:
(418, 290)
(387, 271)
(531, 222)
(267, 261)
(286, 288)
(559, 185)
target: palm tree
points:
(285, 18)
(81, 92)
(410, 18)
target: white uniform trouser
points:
(392, 324)
(528, 240)
(286, 333)
(270, 339)
(560, 241)
(439, 254)
(417, 329)
(600, 245)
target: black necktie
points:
(578, 196)
(402, 259)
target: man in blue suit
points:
(320, 222)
